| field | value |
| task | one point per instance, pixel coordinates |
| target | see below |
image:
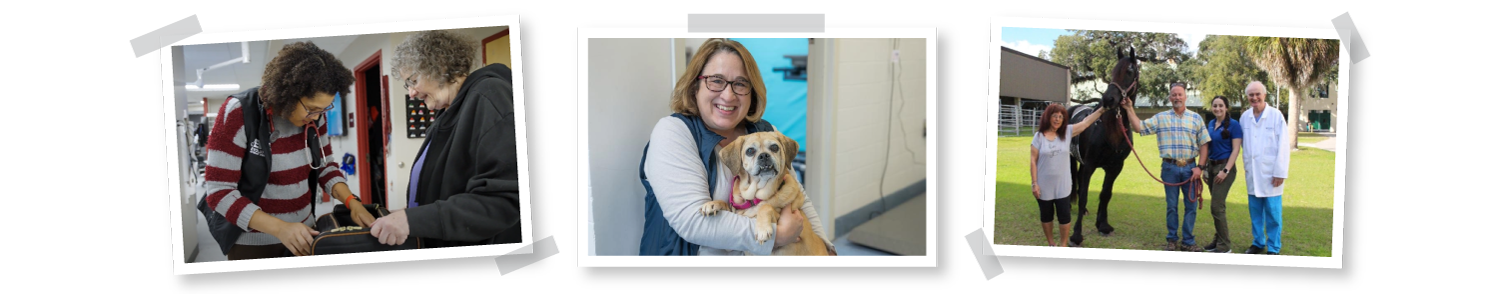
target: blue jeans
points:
(1265, 222)
(1171, 173)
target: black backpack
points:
(255, 169)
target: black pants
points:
(243, 252)
(1060, 207)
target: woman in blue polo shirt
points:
(1219, 176)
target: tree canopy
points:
(1091, 55)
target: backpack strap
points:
(255, 164)
(316, 151)
(255, 168)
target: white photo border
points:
(992, 117)
(584, 240)
(181, 267)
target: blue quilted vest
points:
(659, 238)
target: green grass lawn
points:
(1309, 138)
(1138, 209)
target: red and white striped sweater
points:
(286, 195)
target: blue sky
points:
(1032, 40)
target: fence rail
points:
(1014, 118)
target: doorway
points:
(370, 115)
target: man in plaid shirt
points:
(1183, 142)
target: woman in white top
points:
(717, 99)
(1051, 179)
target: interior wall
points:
(630, 82)
(879, 115)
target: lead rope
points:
(1196, 188)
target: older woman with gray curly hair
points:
(464, 187)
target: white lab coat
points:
(1266, 152)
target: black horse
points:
(1105, 144)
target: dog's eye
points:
(750, 151)
(774, 148)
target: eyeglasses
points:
(314, 112)
(411, 81)
(717, 84)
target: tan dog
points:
(762, 167)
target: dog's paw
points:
(713, 207)
(763, 230)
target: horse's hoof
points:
(1071, 244)
(1106, 230)
(1106, 234)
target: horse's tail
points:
(1076, 164)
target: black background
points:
(1373, 243)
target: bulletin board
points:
(418, 118)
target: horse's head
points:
(1123, 78)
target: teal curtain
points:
(786, 99)
(335, 116)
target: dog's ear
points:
(730, 155)
(788, 152)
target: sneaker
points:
(1218, 249)
(1172, 246)
(1273, 253)
(1211, 247)
(1190, 248)
(1255, 250)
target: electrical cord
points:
(886, 162)
(897, 93)
(895, 69)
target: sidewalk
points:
(1330, 144)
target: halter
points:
(1125, 91)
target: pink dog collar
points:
(740, 206)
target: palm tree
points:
(1295, 63)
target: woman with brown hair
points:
(1051, 179)
(717, 99)
(1223, 149)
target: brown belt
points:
(1179, 162)
(1217, 161)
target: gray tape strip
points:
(1350, 35)
(988, 262)
(540, 250)
(177, 31)
(753, 23)
(755, 29)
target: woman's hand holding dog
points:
(789, 227)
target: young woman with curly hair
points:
(296, 89)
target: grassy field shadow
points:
(1140, 223)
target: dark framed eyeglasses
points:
(314, 112)
(717, 83)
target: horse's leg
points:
(1081, 191)
(1102, 221)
